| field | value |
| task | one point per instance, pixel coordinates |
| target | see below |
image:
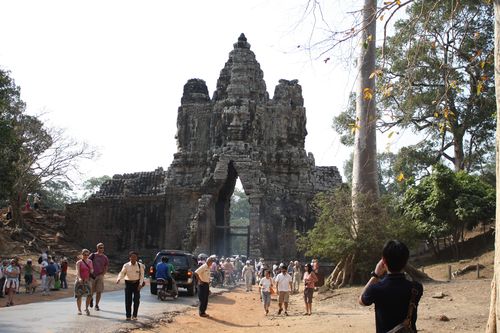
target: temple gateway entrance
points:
(226, 234)
(239, 132)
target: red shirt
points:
(64, 267)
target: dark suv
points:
(184, 263)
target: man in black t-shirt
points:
(392, 293)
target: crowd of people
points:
(49, 275)
(278, 278)
(395, 298)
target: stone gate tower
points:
(239, 132)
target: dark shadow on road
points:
(227, 323)
(221, 299)
(114, 312)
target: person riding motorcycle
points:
(164, 271)
(202, 258)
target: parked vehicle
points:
(184, 265)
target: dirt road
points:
(464, 302)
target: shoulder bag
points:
(92, 275)
(405, 326)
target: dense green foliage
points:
(92, 185)
(56, 194)
(240, 216)
(445, 203)
(11, 106)
(435, 77)
(438, 79)
(335, 234)
(34, 158)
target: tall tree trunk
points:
(458, 148)
(17, 216)
(364, 173)
(494, 317)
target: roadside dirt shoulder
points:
(464, 303)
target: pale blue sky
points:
(111, 72)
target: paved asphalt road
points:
(61, 315)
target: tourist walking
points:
(203, 277)
(64, 273)
(265, 287)
(83, 285)
(290, 268)
(43, 277)
(133, 273)
(228, 269)
(248, 274)
(309, 280)
(28, 276)
(296, 277)
(51, 269)
(2, 278)
(396, 299)
(11, 284)
(101, 265)
(284, 286)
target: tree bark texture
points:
(364, 173)
(493, 319)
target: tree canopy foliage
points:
(446, 203)
(33, 155)
(438, 79)
(335, 234)
(435, 77)
(92, 185)
(11, 106)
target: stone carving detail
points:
(239, 132)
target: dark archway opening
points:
(231, 234)
(222, 214)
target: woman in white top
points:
(265, 285)
(11, 282)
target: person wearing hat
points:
(284, 286)
(247, 274)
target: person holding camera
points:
(396, 299)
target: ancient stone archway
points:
(239, 132)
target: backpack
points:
(40, 259)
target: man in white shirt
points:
(133, 272)
(203, 277)
(284, 285)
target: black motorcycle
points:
(164, 292)
(216, 279)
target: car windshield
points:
(179, 261)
